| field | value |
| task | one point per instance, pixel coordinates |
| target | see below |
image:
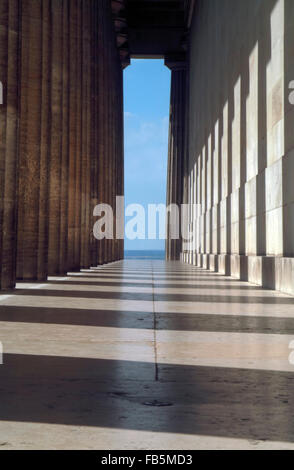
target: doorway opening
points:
(146, 128)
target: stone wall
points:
(240, 167)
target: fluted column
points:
(112, 156)
(72, 132)
(86, 136)
(95, 32)
(78, 173)
(107, 91)
(9, 118)
(119, 175)
(56, 138)
(104, 167)
(64, 170)
(116, 157)
(45, 141)
(99, 175)
(176, 151)
(121, 152)
(30, 178)
(113, 136)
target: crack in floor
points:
(154, 326)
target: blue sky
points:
(146, 106)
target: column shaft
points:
(9, 118)
(86, 174)
(72, 132)
(98, 124)
(56, 138)
(176, 155)
(64, 171)
(30, 141)
(77, 195)
(45, 141)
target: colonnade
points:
(239, 168)
(176, 160)
(61, 129)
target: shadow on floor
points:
(141, 296)
(210, 401)
(156, 285)
(145, 320)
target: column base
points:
(239, 267)
(213, 263)
(224, 265)
(206, 261)
(270, 272)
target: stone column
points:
(86, 121)
(114, 136)
(32, 241)
(72, 131)
(59, 151)
(105, 117)
(56, 138)
(118, 144)
(9, 112)
(110, 133)
(121, 155)
(77, 194)
(121, 151)
(176, 152)
(107, 91)
(64, 171)
(96, 131)
(99, 186)
(284, 184)
(106, 110)
(45, 141)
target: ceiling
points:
(152, 28)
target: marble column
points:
(56, 138)
(60, 135)
(9, 119)
(119, 152)
(113, 137)
(106, 112)
(116, 158)
(96, 74)
(72, 131)
(99, 155)
(45, 141)
(176, 151)
(32, 170)
(286, 187)
(64, 170)
(112, 154)
(107, 91)
(86, 135)
(77, 186)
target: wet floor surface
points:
(146, 355)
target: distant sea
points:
(141, 254)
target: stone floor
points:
(146, 355)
